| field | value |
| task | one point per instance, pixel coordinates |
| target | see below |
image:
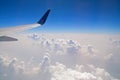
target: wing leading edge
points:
(5, 31)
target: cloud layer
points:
(13, 69)
(47, 57)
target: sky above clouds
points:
(80, 16)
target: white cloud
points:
(45, 64)
(81, 72)
(15, 69)
(46, 57)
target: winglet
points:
(44, 17)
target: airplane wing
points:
(5, 31)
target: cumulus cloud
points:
(48, 57)
(81, 72)
(57, 45)
(65, 49)
(71, 52)
(45, 63)
(16, 69)
(115, 42)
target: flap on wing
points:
(6, 38)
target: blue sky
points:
(74, 16)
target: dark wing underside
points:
(6, 38)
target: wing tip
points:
(44, 17)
